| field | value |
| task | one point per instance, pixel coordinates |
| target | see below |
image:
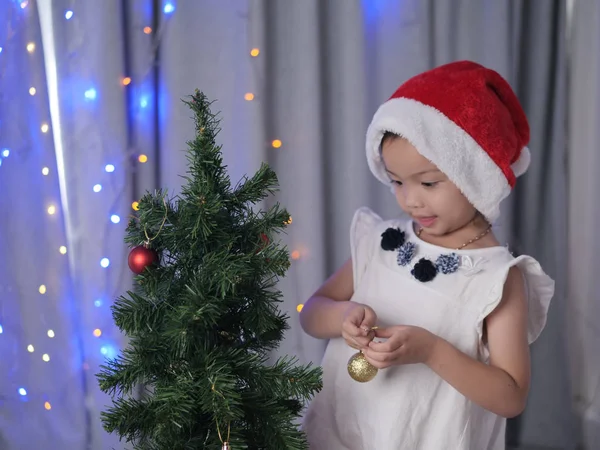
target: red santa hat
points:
(466, 120)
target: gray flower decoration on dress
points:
(447, 263)
(406, 253)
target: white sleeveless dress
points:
(410, 407)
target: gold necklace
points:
(476, 238)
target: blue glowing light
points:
(108, 350)
(115, 219)
(90, 94)
(97, 187)
(68, 14)
(105, 262)
(98, 303)
(109, 168)
(5, 152)
(144, 102)
(22, 391)
(169, 8)
(1, 330)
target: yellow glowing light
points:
(147, 30)
(42, 289)
(63, 250)
(295, 254)
(30, 47)
(46, 357)
(97, 332)
(249, 96)
(135, 206)
(289, 222)
(299, 307)
(48, 406)
(50, 333)
(32, 91)
(45, 171)
(51, 209)
(44, 128)
(254, 52)
(30, 348)
(276, 143)
(142, 158)
(126, 81)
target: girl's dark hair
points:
(389, 136)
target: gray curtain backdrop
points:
(323, 68)
(584, 216)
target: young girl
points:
(435, 303)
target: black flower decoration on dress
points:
(392, 238)
(424, 270)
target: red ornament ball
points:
(264, 242)
(140, 258)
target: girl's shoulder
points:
(365, 221)
(367, 224)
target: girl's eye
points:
(399, 183)
(430, 184)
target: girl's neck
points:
(475, 233)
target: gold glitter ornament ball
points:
(360, 369)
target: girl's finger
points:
(390, 358)
(353, 341)
(385, 347)
(376, 363)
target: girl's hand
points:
(357, 325)
(404, 345)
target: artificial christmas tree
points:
(203, 316)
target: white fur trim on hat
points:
(520, 166)
(446, 145)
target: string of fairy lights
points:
(90, 94)
(295, 254)
(275, 143)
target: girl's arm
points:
(503, 385)
(321, 316)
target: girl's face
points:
(423, 192)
